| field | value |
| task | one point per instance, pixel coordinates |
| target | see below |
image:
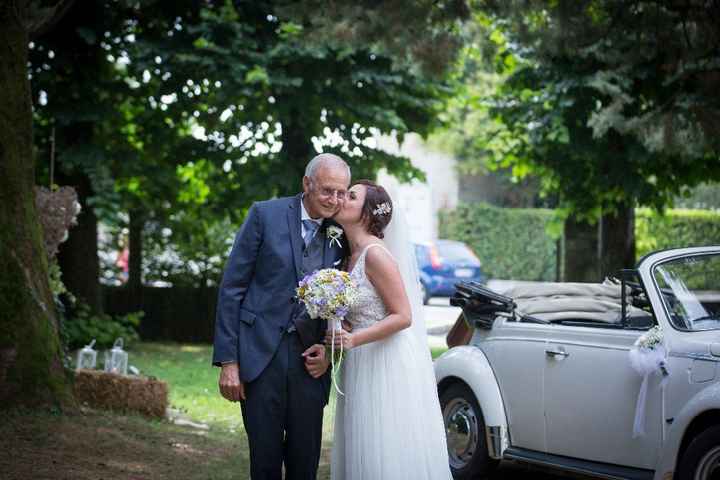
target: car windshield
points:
(690, 288)
(455, 252)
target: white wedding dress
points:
(388, 425)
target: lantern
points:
(86, 357)
(116, 359)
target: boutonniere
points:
(334, 233)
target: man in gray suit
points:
(269, 349)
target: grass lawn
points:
(193, 381)
(92, 444)
(194, 391)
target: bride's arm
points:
(383, 273)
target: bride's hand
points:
(342, 337)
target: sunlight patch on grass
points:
(192, 348)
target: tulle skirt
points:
(388, 425)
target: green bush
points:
(677, 228)
(512, 243)
(82, 327)
(515, 244)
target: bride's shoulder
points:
(378, 257)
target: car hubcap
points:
(461, 427)
(709, 466)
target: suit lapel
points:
(296, 241)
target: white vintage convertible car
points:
(547, 377)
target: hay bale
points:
(111, 391)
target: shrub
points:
(677, 228)
(512, 243)
(82, 327)
(515, 244)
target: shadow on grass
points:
(92, 444)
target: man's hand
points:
(316, 361)
(230, 385)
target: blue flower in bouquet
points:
(329, 294)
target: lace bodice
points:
(370, 307)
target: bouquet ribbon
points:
(337, 325)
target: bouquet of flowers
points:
(329, 294)
(647, 355)
(651, 339)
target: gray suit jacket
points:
(257, 300)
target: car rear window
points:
(454, 252)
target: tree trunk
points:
(297, 150)
(78, 255)
(617, 241)
(580, 252)
(134, 283)
(31, 367)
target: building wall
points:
(421, 201)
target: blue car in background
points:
(443, 263)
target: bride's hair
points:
(377, 209)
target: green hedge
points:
(514, 244)
(677, 228)
(510, 242)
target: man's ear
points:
(306, 184)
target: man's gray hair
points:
(322, 160)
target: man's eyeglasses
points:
(329, 192)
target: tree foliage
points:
(610, 97)
(179, 111)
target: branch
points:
(47, 18)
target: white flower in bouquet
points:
(648, 353)
(651, 339)
(329, 294)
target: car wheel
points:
(465, 430)
(701, 460)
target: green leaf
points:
(257, 74)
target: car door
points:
(516, 351)
(591, 393)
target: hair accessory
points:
(382, 209)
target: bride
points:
(388, 424)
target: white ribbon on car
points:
(646, 361)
